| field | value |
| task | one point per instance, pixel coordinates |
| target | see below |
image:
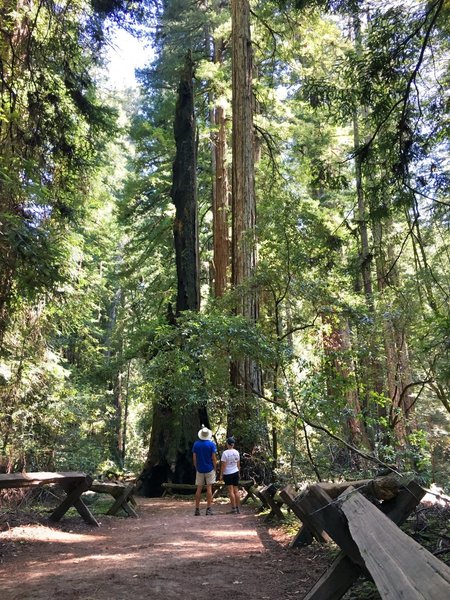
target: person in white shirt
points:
(230, 464)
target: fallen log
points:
(381, 488)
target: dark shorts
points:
(232, 479)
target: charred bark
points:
(175, 426)
(184, 195)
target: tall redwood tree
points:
(175, 425)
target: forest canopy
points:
(255, 238)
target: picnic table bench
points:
(122, 494)
(72, 482)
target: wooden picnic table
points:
(72, 482)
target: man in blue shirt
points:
(205, 461)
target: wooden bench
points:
(122, 494)
(72, 482)
(173, 488)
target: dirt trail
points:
(166, 553)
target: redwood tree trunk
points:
(243, 195)
(184, 195)
(398, 372)
(221, 201)
(340, 376)
(14, 48)
(221, 207)
(175, 426)
(245, 373)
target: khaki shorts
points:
(205, 478)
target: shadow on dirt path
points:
(166, 553)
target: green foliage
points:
(189, 363)
(54, 130)
(87, 260)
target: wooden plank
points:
(322, 514)
(399, 508)
(85, 513)
(336, 580)
(244, 484)
(335, 489)
(342, 573)
(128, 508)
(73, 483)
(381, 488)
(188, 487)
(16, 480)
(191, 487)
(107, 487)
(250, 490)
(260, 497)
(305, 536)
(400, 567)
(268, 493)
(122, 494)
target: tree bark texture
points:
(245, 374)
(221, 191)
(398, 372)
(170, 454)
(175, 426)
(337, 351)
(371, 366)
(243, 179)
(184, 196)
(221, 207)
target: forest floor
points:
(166, 553)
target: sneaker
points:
(232, 511)
(197, 512)
(209, 511)
(237, 510)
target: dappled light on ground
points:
(166, 553)
(36, 533)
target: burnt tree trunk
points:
(175, 426)
(184, 196)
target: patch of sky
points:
(125, 54)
